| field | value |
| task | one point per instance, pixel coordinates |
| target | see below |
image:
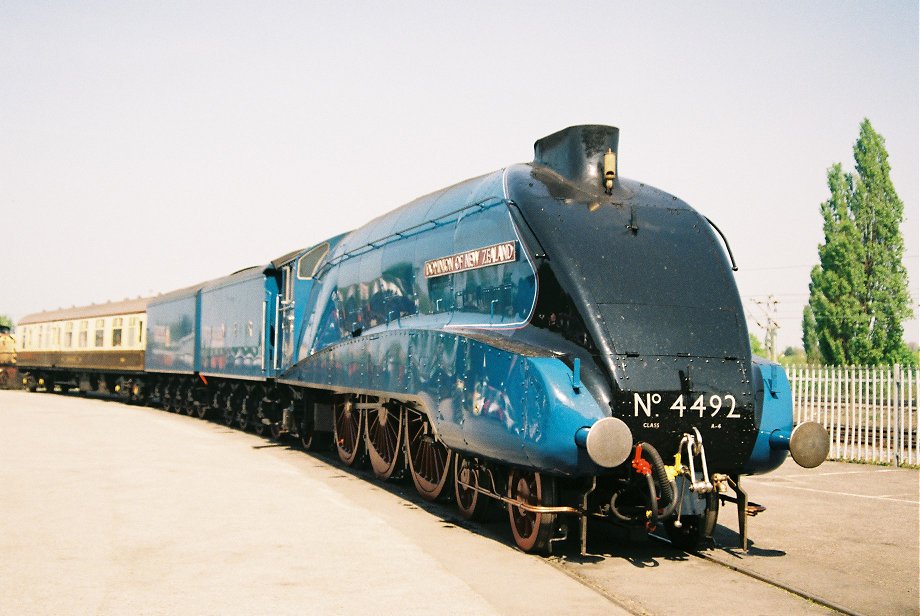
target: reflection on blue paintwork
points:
(375, 280)
(233, 329)
(172, 324)
(480, 398)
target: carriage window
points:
(68, 335)
(140, 332)
(100, 332)
(116, 331)
(132, 329)
(56, 335)
(308, 264)
(84, 333)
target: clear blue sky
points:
(145, 146)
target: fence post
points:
(898, 415)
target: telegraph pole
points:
(768, 323)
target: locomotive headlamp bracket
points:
(610, 170)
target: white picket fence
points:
(870, 412)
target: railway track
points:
(772, 582)
(639, 605)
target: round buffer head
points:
(609, 442)
(810, 444)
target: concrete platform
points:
(111, 509)
(845, 532)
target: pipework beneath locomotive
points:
(684, 495)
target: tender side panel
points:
(236, 323)
(172, 333)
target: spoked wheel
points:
(383, 438)
(168, 397)
(139, 394)
(695, 530)
(177, 400)
(258, 426)
(175, 397)
(262, 410)
(188, 400)
(306, 435)
(532, 531)
(466, 480)
(429, 458)
(347, 428)
(155, 398)
(244, 413)
(204, 407)
(306, 429)
(229, 409)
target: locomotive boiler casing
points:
(383, 326)
(522, 306)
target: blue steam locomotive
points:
(550, 337)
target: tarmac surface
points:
(112, 509)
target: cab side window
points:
(306, 267)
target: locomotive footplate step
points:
(752, 509)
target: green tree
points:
(5, 321)
(810, 337)
(757, 346)
(858, 291)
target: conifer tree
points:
(858, 292)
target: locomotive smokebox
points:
(577, 153)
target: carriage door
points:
(286, 316)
